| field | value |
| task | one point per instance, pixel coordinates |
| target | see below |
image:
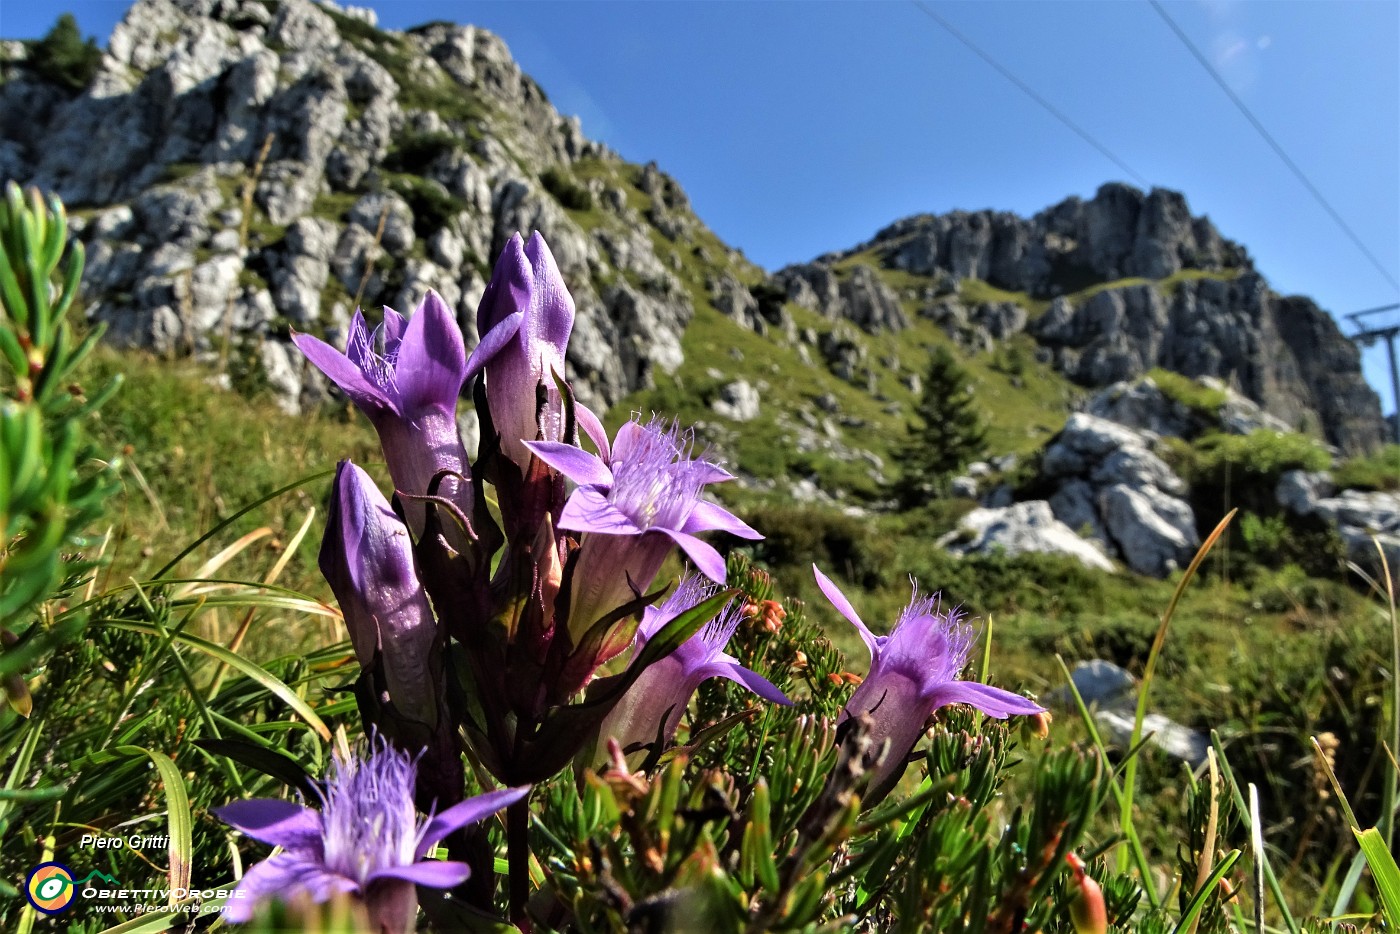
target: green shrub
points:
(1378, 471)
(565, 190)
(1199, 399)
(414, 152)
(63, 57)
(432, 205)
(1260, 456)
(800, 536)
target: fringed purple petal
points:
(284, 877)
(391, 329)
(709, 517)
(727, 667)
(994, 702)
(707, 472)
(625, 440)
(275, 822)
(843, 606)
(359, 347)
(575, 463)
(492, 342)
(347, 374)
(592, 426)
(467, 812)
(589, 511)
(706, 560)
(435, 875)
(432, 361)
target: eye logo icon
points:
(50, 887)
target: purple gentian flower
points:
(524, 319)
(634, 504)
(656, 700)
(366, 841)
(405, 377)
(367, 557)
(913, 672)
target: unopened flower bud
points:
(1037, 725)
(1086, 909)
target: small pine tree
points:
(948, 434)
(63, 57)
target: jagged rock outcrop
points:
(1205, 312)
(1143, 406)
(1110, 484)
(377, 164)
(1363, 519)
(1284, 353)
(1023, 527)
(1118, 233)
(859, 296)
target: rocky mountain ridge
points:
(1111, 288)
(242, 167)
(238, 168)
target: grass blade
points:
(177, 809)
(234, 660)
(1210, 885)
(1125, 811)
(1384, 871)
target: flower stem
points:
(518, 861)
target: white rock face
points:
(1142, 406)
(1023, 527)
(1362, 519)
(450, 137)
(1126, 497)
(1111, 694)
(738, 401)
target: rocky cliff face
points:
(1113, 287)
(240, 167)
(1118, 234)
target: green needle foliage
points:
(63, 57)
(52, 487)
(948, 434)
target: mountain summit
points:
(242, 168)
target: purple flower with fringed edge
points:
(405, 377)
(367, 557)
(366, 841)
(656, 700)
(524, 319)
(634, 503)
(913, 672)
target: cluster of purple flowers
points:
(490, 624)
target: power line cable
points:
(1031, 93)
(1293, 166)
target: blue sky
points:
(798, 128)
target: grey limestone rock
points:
(734, 300)
(871, 304)
(390, 210)
(738, 401)
(1155, 533)
(1110, 483)
(1111, 692)
(1023, 527)
(300, 276)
